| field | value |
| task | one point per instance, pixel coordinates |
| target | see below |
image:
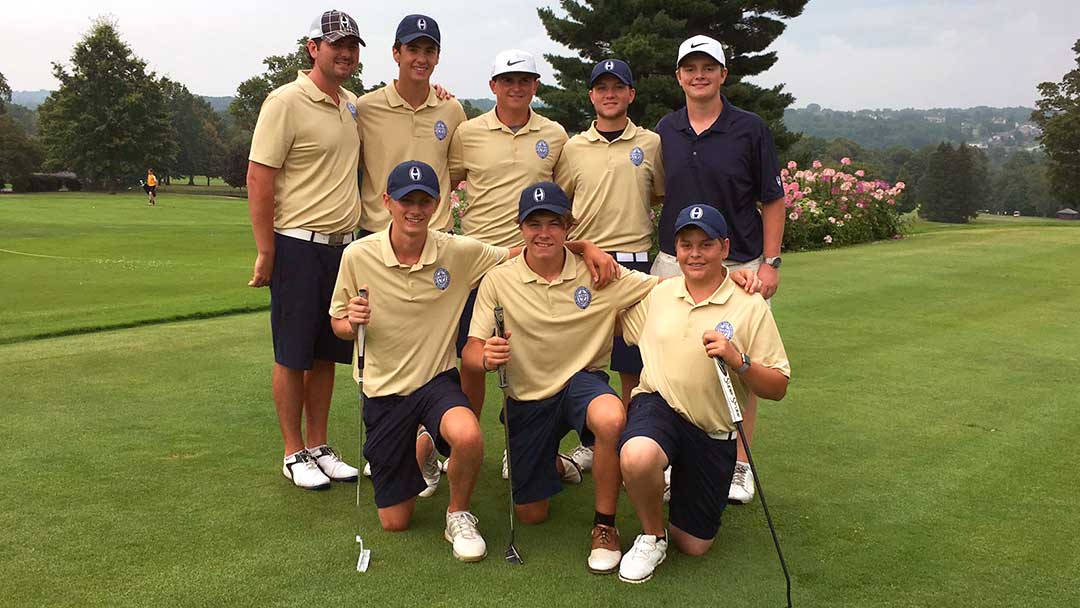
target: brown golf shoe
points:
(606, 551)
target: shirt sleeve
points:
(478, 257)
(483, 312)
(273, 136)
(658, 173)
(564, 175)
(346, 286)
(632, 286)
(766, 348)
(456, 156)
(633, 321)
(770, 185)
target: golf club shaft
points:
(736, 417)
(500, 330)
(361, 338)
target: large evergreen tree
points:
(107, 122)
(647, 33)
(953, 188)
(198, 133)
(1058, 114)
(5, 92)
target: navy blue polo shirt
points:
(732, 165)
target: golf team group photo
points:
(549, 278)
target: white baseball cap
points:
(701, 44)
(514, 61)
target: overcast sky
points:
(843, 55)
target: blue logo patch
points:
(637, 156)
(726, 328)
(351, 108)
(440, 130)
(542, 149)
(582, 297)
(442, 278)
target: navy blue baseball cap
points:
(410, 176)
(544, 196)
(417, 26)
(706, 217)
(616, 67)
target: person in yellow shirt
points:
(304, 202)
(417, 280)
(678, 415)
(498, 154)
(151, 187)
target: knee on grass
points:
(533, 512)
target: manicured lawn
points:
(925, 454)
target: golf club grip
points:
(729, 390)
(361, 337)
(500, 330)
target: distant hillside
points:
(29, 99)
(481, 104)
(910, 128)
(220, 104)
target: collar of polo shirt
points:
(721, 124)
(593, 134)
(493, 123)
(527, 275)
(720, 296)
(314, 92)
(427, 256)
(395, 100)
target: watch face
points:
(775, 262)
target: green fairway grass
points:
(925, 454)
(77, 261)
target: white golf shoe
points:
(742, 484)
(461, 531)
(571, 472)
(300, 468)
(431, 472)
(667, 485)
(583, 456)
(331, 464)
(639, 563)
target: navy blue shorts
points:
(301, 286)
(537, 427)
(465, 322)
(626, 359)
(701, 467)
(391, 423)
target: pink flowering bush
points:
(829, 207)
(458, 205)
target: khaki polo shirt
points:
(414, 309)
(395, 132)
(314, 143)
(612, 185)
(558, 328)
(668, 327)
(498, 164)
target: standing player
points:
(406, 120)
(151, 187)
(500, 153)
(418, 280)
(304, 203)
(564, 333)
(678, 415)
(719, 154)
(613, 173)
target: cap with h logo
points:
(333, 25)
(413, 27)
(706, 217)
(410, 176)
(544, 196)
(701, 44)
(615, 67)
(513, 61)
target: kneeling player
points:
(677, 415)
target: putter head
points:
(365, 556)
(513, 556)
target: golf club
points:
(736, 417)
(512, 554)
(361, 334)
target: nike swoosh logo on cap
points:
(694, 46)
(515, 62)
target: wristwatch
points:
(745, 363)
(774, 262)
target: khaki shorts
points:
(667, 266)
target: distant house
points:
(940, 120)
(1068, 214)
